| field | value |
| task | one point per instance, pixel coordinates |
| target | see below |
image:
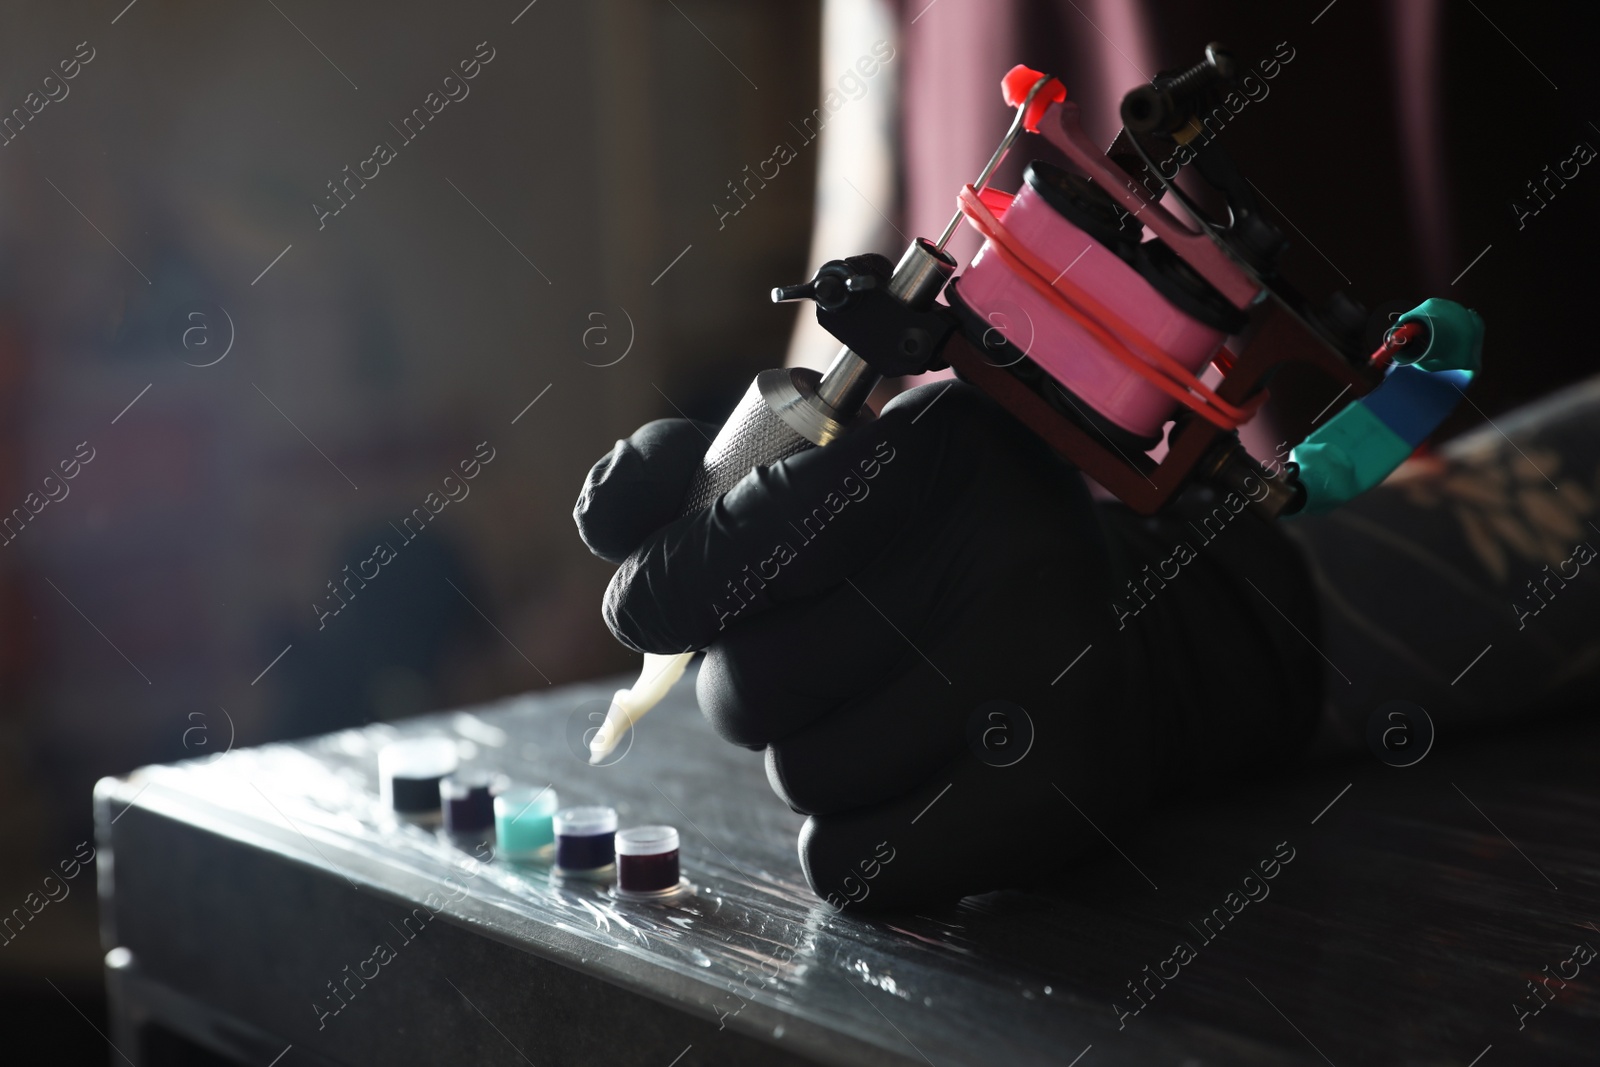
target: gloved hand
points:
(926, 626)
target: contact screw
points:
(1157, 107)
(1218, 63)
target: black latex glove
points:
(919, 624)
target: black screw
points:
(1166, 103)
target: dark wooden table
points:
(1405, 929)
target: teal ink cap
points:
(522, 822)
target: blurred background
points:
(276, 343)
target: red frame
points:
(1139, 481)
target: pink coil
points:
(1063, 348)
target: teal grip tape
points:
(1363, 444)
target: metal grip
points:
(754, 435)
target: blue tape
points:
(1413, 402)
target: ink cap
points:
(523, 823)
(586, 842)
(409, 772)
(467, 801)
(647, 864)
